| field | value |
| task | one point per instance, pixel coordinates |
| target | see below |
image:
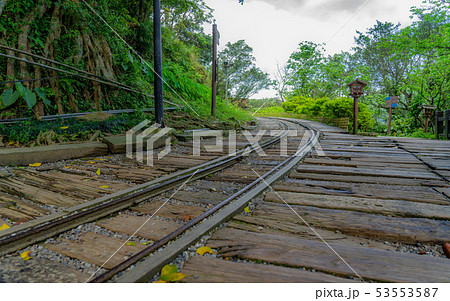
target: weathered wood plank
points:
(368, 179)
(203, 197)
(367, 191)
(153, 229)
(88, 248)
(296, 252)
(343, 170)
(368, 157)
(368, 205)
(379, 165)
(174, 211)
(42, 196)
(261, 225)
(386, 228)
(213, 270)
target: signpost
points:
(356, 91)
(428, 112)
(391, 102)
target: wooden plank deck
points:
(369, 198)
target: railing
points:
(443, 124)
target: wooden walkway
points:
(381, 204)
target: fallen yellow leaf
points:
(98, 172)
(92, 162)
(131, 243)
(202, 250)
(173, 277)
(25, 255)
(104, 186)
(247, 210)
(169, 269)
(186, 218)
(64, 127)
(35, 164)
(159, 281)
(4, 227)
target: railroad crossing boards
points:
(392, 101)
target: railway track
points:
(374, 209)
(370, 210)
(200, 202)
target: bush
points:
(270, 110)
(341, 107)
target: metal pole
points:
(214, 71)
(226, 86)
(158, 84)
(390, 119)
(355, 116)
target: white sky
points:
(274, 28)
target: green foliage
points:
(26, 131)
(341, 107)
(83, 41)
(270, 111)
(411, 62)
(9, 97)
(245, 79)
(255, 104)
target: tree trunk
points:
(55, 32)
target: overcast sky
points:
(274, 28)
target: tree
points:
(245, 79)
(305, 65)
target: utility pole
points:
(214, 69)
(158, 84)
(226, 65)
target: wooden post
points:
(214, 71)
(390, 120)
(355, 115)
(447, 124)
(439, 123)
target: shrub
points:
(341, 107)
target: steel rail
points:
(152, 248)
(13, 241)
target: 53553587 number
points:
(406, 292)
